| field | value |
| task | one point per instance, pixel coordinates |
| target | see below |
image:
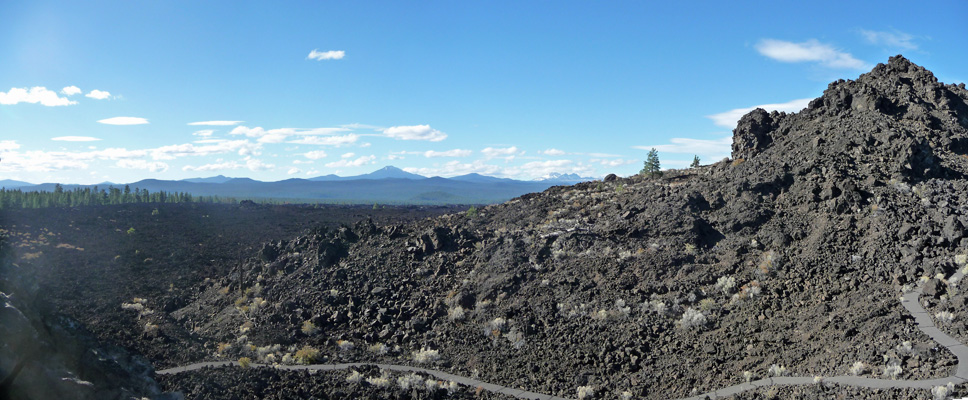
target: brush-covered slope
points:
(792, 253)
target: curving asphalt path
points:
(911, 301)
(519, 393)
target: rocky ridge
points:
(792, 254)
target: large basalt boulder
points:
(753, 133)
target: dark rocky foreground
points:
(269, 383)
(792, 254)
(65, 271)
(44, 355)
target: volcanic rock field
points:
(781, 272)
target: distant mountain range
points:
(10, 184)
(386, 185)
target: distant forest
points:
(94, 197)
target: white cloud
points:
(352, 163)
(7, 145)
(455, 168)
(308, 136)
(729, 118)
(448, 153)
(142, 164)
(348, 155)
(40, 161)
(71, 90)
(362, 126)
(242, 147)
(613, 162)
(249, 132)
(392, 157)
(603, 155)
(293, 170)
(326, 55)
(124, 121)
(301, 162)
(36, 94)
(114, 154)
(553, 152)
(415, 132)
(203, 133)
(538, 169)
(896, 39)
(44, 161)
(256, 165)
(508, 153)
(315, 155)
(809, 51)
(98, 94)
(328, 140)
(273, 138)
(707, 149)
(216, 123)
(75, 139)
(213, 167)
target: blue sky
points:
(126, 90)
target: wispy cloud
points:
(142, 164)
(98, 94)
(315, 155)
(217, 166)
(45, 161)
(7, 145)
(455, 168)
(216, 123)
(34, 95)
(124, 121)
(357, 125)
(75, 139)
(507, 153)
(293, 171)
(553, 152)
(250, 163)
(242, 147)
(328, 140)
(71, 90)
(543, 169)
(203, 133)
(895, 39)
(415, 132)
(257, 165)
(729, 118)
(604, 155)
(448, 153)
(309, 136)
(346, 162)
(809, 51)
(613, 162)
(714, 149)
(326, 55)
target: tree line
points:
(88, 196)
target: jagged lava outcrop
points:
(794, 253)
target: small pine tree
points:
(651, 166)
(695, 162)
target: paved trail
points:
(911, 302)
